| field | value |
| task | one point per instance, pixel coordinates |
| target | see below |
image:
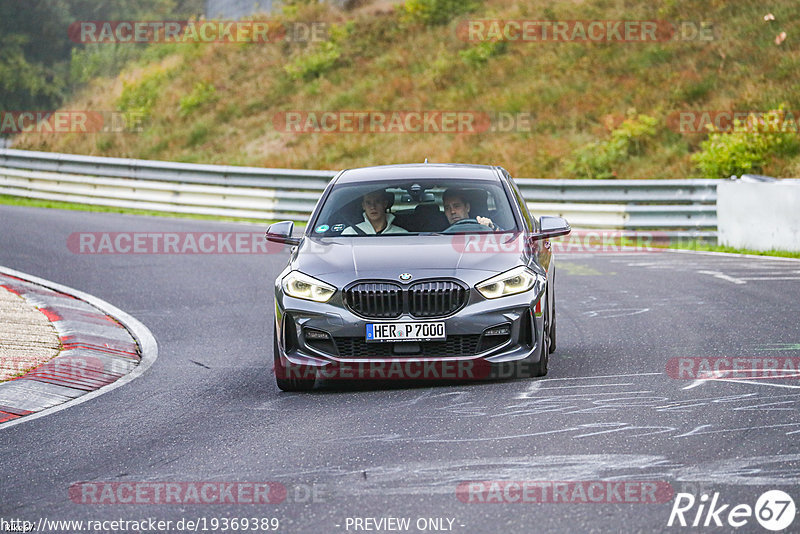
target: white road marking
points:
(615, 312)
(772, 278)
(723, 276)
(778, 269)
(732, 255)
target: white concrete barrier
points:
(759, 216)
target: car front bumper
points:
(469, 351)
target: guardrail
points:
(680, 207)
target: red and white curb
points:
(103, 348)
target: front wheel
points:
(293, 378)
(552, 334)
(540, 368)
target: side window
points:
(530, 222)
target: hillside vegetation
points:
(596, 109)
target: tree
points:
(36, 52)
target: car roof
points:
(420, 171)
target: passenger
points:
(377, 220)
(457, 208)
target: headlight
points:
(517, 280)
(301, 286)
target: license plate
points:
(383, 332)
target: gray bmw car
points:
(410, 272)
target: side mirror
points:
(551, 227)
(282, 233)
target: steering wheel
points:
(467, 225)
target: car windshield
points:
(414, 207)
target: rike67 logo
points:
(774, 510)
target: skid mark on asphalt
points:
(633, 405)
(625, 303)
(539, 382)
(748, 381)
(443, 477)
(785, 378)
(590, 386)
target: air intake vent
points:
(379, 300)
(423, 300)
(456, 346)
(436, 299)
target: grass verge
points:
(708, 247)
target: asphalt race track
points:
(208, 409)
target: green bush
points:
(198, 134)
(434, 12)
(749, 144)
(319, 59)
(201, 94)
(140, 96)
(315, 63)
(101, 60)
(481, 53)
(598, 159)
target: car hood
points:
(344, 259)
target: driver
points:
(456, 208)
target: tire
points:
(536, 369)
(540, 367)
(288, 383)
(552, 343)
